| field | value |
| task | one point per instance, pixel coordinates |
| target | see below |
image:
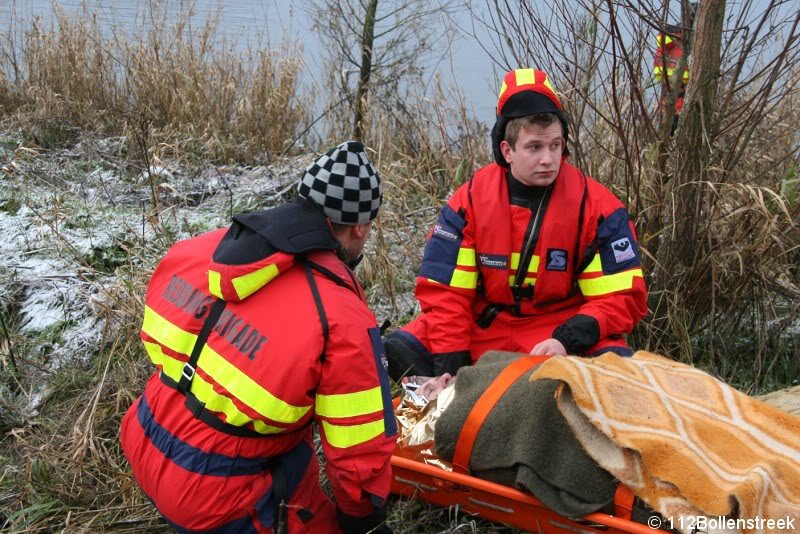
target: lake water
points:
(265, 24)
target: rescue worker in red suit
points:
(257, 331)
(530, 255)
(669, 51)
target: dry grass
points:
(193, 89)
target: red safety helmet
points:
(525, 92)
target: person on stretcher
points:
(580, 433)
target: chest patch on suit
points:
(623, 250)
(556, 259)
(493, 261)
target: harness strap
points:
(323, 318)
(623, 502)
(280, 495)
(187, 374)
(484, 405)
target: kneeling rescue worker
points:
(257, 331)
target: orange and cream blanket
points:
(684, 442)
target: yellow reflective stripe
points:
(525, 77)
(205, 392)
(248, 284)
(502, 89)
(548, 84)
(248, 390)
(466, 257)
(464, 279)
(166, 333)
(215, 283)
(526, 280)
(222, 371)
(595, 266)
(343, 436)
(604, 285)
(350, 404)
(170, 366)
(533, 268)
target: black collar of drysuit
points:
(297, 227)
(527, 196)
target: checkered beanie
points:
(344, 184)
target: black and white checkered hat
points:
(343, 182)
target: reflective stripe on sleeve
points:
(464, 279)
(595, 266)
(344, 436)
(466, 257)
(611, 283)
(342, 405)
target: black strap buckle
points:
(488, 315)
(187, 372)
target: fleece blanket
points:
(531, 449)
(683, 441)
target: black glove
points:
(406, 357)
(374, 522)
(450, 362)
(578, 333)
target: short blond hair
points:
(515, 126)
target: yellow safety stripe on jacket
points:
(248, 284)
(602, 285)
(595, 266)
(463, 278)
(205, 392)
(533, 268)
(344, 436)
(610, 283)
(215, 283)
(222, 371)
(466, 257)
(658, 73)
(662, 39)
(173, 337)
(342, 405)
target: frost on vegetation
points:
(70, 221)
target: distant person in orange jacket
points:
(257, 331)
(670, 45)
(530, 255)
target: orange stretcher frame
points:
(495, 502)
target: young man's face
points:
(536, 157)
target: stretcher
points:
(494, 502)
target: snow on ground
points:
(64, 226)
